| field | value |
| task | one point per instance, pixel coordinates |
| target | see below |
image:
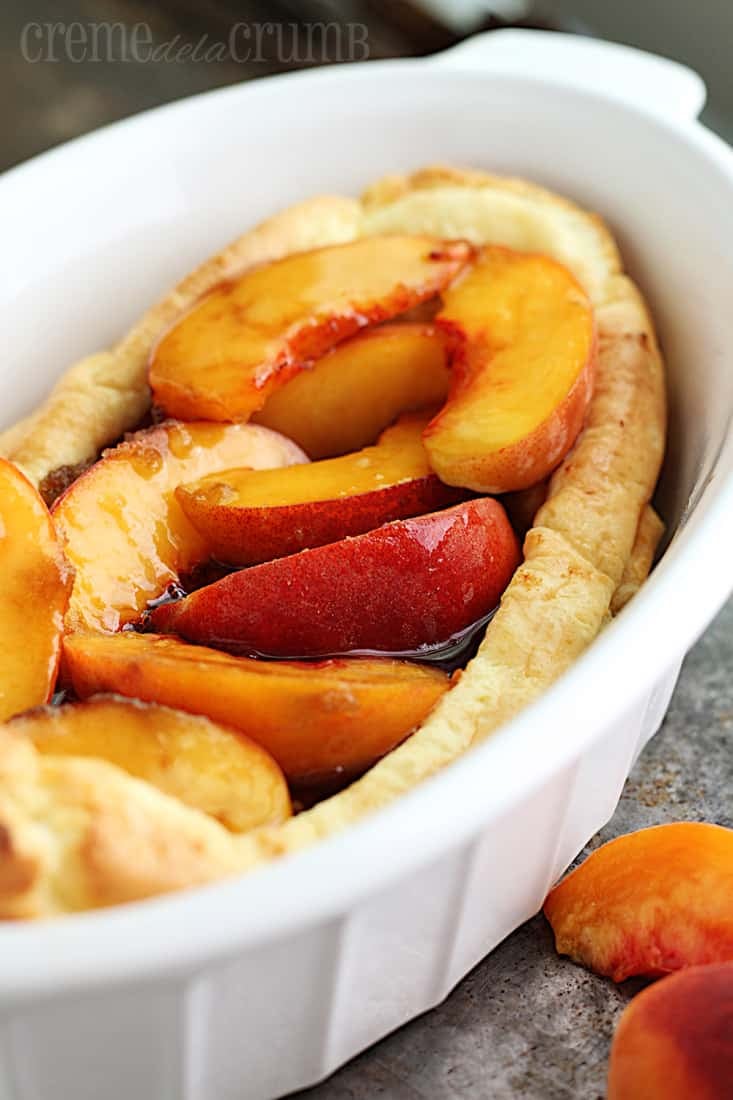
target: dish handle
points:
(643, 79)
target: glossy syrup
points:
(453, 653)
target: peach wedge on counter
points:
(223, 359)
(675, 1039)
(315, 719)
(360, 387)
(408, 584)
(34, 597)
(648, 903)
(207, 766)
(523, 363)
(252, 516)
(122, 528)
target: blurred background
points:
(68, 66)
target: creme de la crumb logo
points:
(316, 43)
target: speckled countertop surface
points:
(525, 1023)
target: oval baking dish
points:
(264, 984)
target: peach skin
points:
(360, 387)
(648, 903)
(317, 720)
(675, 1039)
(523, 362)
(122, 527)
(34, 596)
(410, 583)
(206, 765)
(224, 358)
(250, 516)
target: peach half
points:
(318, 720)
(34, 597)
(648, 903)
(407, 584)
(675, 1039)
(251, 516)
(360, 387)
(524, 353)
(224, 358)
(120, 523)
(206, 765)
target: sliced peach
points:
(123, 530)
(407, 584)
(359, 387)
(222, 360)
(36, 583)
(523, 364)
(251, 516)
(206, 765)
(675, 1039)
(316, 719)
(649, 902)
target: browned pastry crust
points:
(591, 538)
(79, 834)
(637, 568)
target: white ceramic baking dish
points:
(261, 985)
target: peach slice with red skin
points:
(224, 358)
(649, 903)
(523, 363)
(122, 527)
(675, 1039)
(251, 516)
(206, 765)
(407, 584)
(360, 387)
(34, 596)
(317, 719)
